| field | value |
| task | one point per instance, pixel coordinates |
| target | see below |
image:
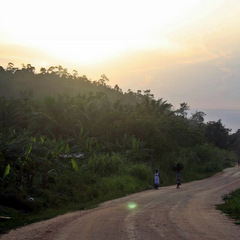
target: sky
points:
(183, 51)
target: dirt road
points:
(168, 213)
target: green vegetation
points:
(231, 205)
(67, 143)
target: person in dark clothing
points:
(178, 176)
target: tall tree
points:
(182, 111)
(217, 134)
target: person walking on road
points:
(178, 176)
(156, 179)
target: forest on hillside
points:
(66, 140)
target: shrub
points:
(106, 165)
(141, 171)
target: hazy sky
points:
(183, 51)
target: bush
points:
(106, 165)
(141, 172)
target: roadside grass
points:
(231, 205)
(106, 188)
(19, 218)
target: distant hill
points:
(56, 80)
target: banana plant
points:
(48, 165)
(6, 172)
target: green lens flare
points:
(132, 205)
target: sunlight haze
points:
(92, 30)
(183, 51)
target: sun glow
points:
(90, 31)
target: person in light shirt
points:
(156, 179)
